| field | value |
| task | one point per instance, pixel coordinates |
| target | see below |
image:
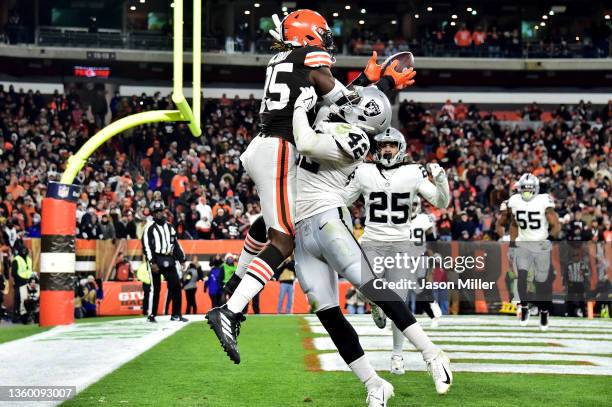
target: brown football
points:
(406, 60)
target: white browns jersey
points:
(530, 216)
(388, 195)
(321, 178)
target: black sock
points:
(342, 334)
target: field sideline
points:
(281, 368)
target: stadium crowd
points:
(210, 197)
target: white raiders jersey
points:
(420, 225)
(322, 177)
(530, 216)
(388, 194)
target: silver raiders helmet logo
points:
(372, 109)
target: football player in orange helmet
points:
(305, 44)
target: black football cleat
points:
(226, 326)
(179, 318)
(151, 318)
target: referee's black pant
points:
(174, 289)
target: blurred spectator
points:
(90, 295)
(355, 301)
(4, 288)
(190, 282)
(30, 307)
(21, 271)
(107, 228)
(213, 282)
(463, 37)
(357, 228)
(123, 269)
(144, 276)
(287, 279)
(93, 25)
(479, 38)
(447, 111)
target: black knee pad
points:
(342, 334)
(258, 230)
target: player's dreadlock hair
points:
(279, 46)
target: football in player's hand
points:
(405, 61)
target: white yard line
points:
(575, 344)
(79, 354)
(372, 330)
(414, 362)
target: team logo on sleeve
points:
(372, 109)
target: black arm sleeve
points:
(361, 80)
(386, 84)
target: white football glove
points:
(307, 99)
(436, 172)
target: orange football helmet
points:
(306, 27)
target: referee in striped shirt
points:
(163, 251)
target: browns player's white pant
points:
(534, 257)
(324, 248)
(271, 164)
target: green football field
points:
(279, 368)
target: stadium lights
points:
(453, 23)
(474, 12)
(429, 8)
(284, 8)
(285, 13)
(393, 22)
(577, 38)
(247, 12)
(335, 14)
(469, 9)
(607, 16)
(537, 27)
(544, 17)
(543, 24)
(347, 7)
(416, 16)
(133, 8)
(363, 11)
(171, 5)
(143, 1)
(256, 5)
(551, 13)
(454, 16)
(361, 22)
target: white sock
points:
(398, 340)
(415, 334)
(250, 246)
(250, 286)
(365, 372)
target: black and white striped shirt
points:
(161, 240)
